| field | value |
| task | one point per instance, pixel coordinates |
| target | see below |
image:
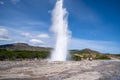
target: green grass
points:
(22, 55)
(102, 57)
(13, 55)
(76, 58)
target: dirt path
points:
(70, 70)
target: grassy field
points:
(75, 55)
(13, 55)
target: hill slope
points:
(23, 50)
(22, 47)
(88, 53)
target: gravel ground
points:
(69, 70)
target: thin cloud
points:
(36, 41)
(87, 15)
(4, 34)
(102, 46)
(43, 35)
(1, 2)
(40, 23)
(3, 31)
(29, 35)
(4, 38)
(15, 1)
(26, 34)
(25, 24)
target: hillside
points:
(85, 51)
(24, 51)
(88, 53)
(23, 47)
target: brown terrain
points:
(69, 70)
(97, 69)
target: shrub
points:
(76, 58)
(103, 57)
(13, 55)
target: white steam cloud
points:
(60, 29)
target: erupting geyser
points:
(60, 29)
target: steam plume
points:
(60, 29)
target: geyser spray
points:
(60, 29)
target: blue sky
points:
(94, 24)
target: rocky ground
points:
(69, 70)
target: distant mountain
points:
(85, 51)
(75, 54)
(88, 53)
(22, 47)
